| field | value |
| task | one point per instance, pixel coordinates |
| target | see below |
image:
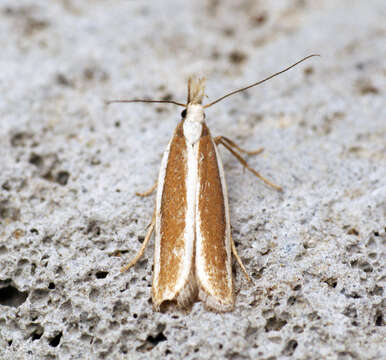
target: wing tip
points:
(184, 298)
(216, 304)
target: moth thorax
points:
(193, 123)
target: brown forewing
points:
(215, 247)
(172, 220)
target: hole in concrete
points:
(19, 139)
(93, 228)
(298, 329)
(54, 342)
(291, 300)
(366, 267)
(346, 355)
(101, 274)
(156, 339)
(10, 296)
(313, 316)
(290, 348)
(332, 282)
(361, 264)
(6, 186)
(62, 177)
(123, 349)
(151, 342)
(274, 324)
(8, 212)
(37, 334)
(47, 239)
(237, 57)
(379, 318)
(353, 231)
(350, 312)
(36, 160)
(376, 290)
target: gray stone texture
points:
(70, 167)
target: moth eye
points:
(183, 114)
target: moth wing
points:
(213, 242)
(173, 240)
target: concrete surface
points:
(69, 217)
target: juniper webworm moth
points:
(193, 242)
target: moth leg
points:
(148, 192)
(228, 145)
(220, 139)
(143, 247)
(234, 251)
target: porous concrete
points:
(70, 167)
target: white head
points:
(194, 110)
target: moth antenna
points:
(261, 81)
(108, 102)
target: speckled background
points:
(70, 167)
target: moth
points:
(193, 241)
